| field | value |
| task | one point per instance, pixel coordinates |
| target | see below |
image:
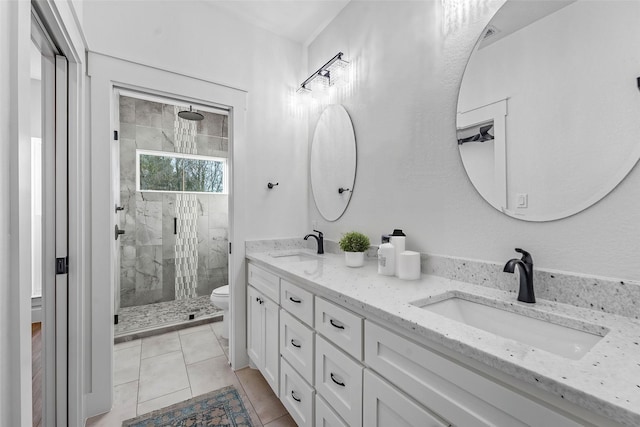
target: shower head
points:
(190, 115)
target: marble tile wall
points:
(148, 247)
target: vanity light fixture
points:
(329, 74)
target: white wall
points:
(570, 94)
(201, 40)
(410, 57)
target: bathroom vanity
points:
(358, 349)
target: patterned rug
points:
(220, 408)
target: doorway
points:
(171, 189)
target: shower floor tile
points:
(150, 316)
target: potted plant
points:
(354, 245)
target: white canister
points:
(408, 265)
(386, 259)
(398, 239)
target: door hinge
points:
(229, 247)
(115, 135)
(62, 265)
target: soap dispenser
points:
(386, 258)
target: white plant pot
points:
(354, 259)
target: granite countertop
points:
(606, 380)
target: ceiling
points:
(297, 20)
(515, 15)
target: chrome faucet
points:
(525, 266)
(319, 238)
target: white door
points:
(54, 122)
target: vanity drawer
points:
(326, 416)
(384, 405)
(264, 281)
(339, 381)
(296, 345)
(297, 301)
(452, 391)
(340, 326)
(296, 395)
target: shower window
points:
(180, 173)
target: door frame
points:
(106, 74)
(62, 25)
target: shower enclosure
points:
(173, 210)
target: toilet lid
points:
(222, 290)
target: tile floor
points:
(154, 372)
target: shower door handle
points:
(175, 225)
(118, 232)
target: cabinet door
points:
(254, 326)
(271, 344)
(385, 406)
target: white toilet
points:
(220, 298)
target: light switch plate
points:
(522, 201)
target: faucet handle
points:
(526, 256)
(319, 233)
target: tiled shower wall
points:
(148, 247)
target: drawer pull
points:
(295, 344)
(333, 378)
(297, 301)
(293, 394)
(336, 325)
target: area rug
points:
(220, 408)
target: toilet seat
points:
(222, 291)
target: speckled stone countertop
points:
(606, 380)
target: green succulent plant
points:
(354, 242)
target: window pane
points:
(203, 176)
(168, 173)
(160, 173)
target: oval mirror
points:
(549, 106)
(333, 162)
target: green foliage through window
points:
(171, 173)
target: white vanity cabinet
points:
(263, 324)
(337, 368)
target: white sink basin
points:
(561, 340)
(294, 256)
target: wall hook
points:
(342, 190)
(271, 185)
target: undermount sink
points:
(558, 339)
(294, 256)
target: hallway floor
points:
(155, 372)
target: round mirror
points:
(333, 162)
(549, 106)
